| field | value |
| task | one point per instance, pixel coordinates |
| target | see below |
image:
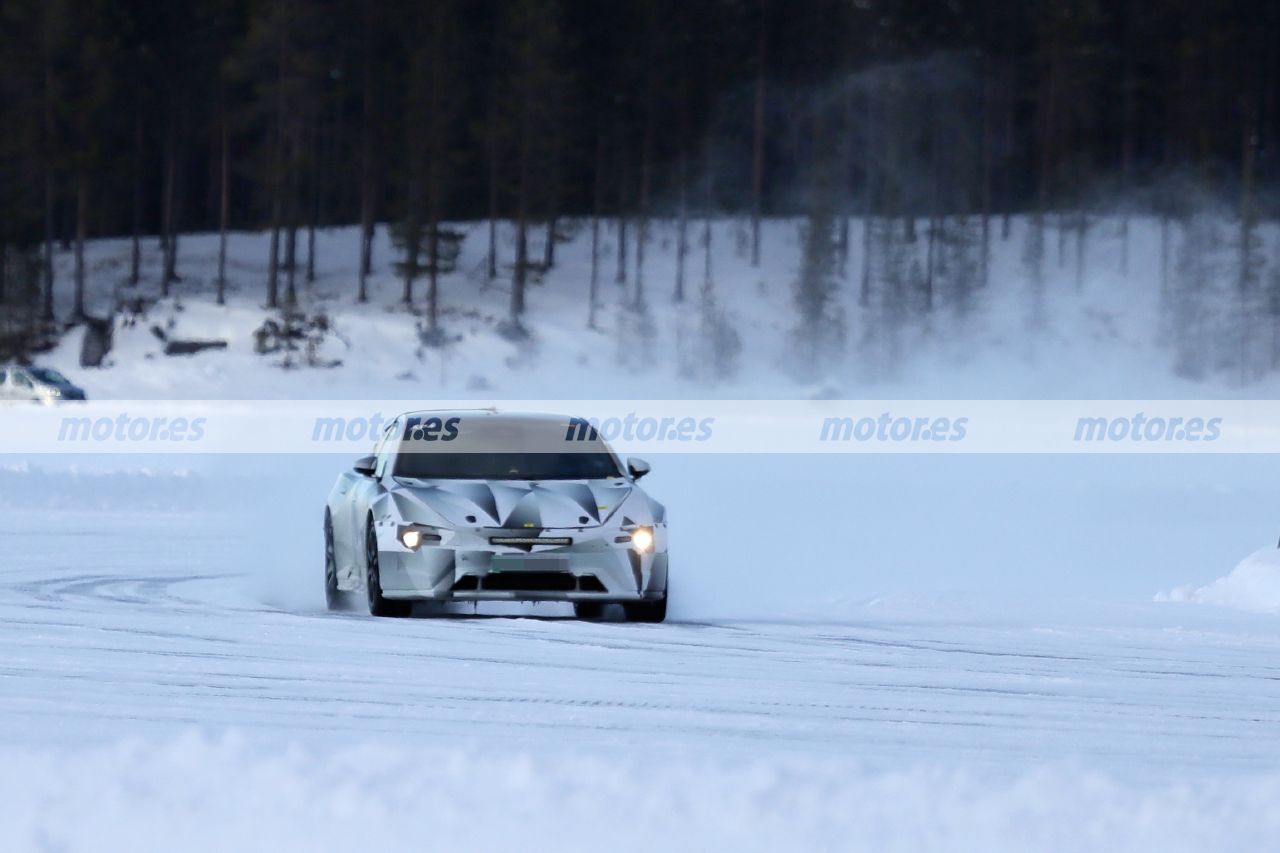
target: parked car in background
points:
(39, 384)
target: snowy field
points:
(866, 652)
(171, 680)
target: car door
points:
(361, 495)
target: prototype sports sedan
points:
(465, 506)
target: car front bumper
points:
(467, 566)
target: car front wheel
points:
(378, 605)
(648, 611)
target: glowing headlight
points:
(413, 537)
(642, 539)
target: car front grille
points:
(529, 582)
(528, 541)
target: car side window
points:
(4, 374)
(383, 451)
(21, 379)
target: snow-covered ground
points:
(992, 672)
(161, 692)
(880, 652)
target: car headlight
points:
(642, 540)
(413, 536)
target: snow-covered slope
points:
(1107, 339)
(1254, 584)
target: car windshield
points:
(44, 374)
(505, 466)
(486, 448)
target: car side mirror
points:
(638, 467)
(365, 465)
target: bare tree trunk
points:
(708, 203)
(433, 273)
(553, 200)
(1010, 136)
(316, 193)
(1164, 254)
(708, 197)
(82, 232)
(522, 218)
(642, 228)
(277, 211)
(368, 177)
(988, 156)
(311, 250)
(166, 209)
(224, 211)
(757, 142)
(290, 265)
(179, 205)
(491, 260)
(621, 277)
(846, 181)
(1082, 228)
(1126, 160)
(290, 253)
(273, 260)
(597, 205)
(1247, 146)
(291, 216)
(46, 166)
(682, 226)
(1048, 128)
(412, 233)
(1083, 177)
(493, 153)
(46, 312)
(868, 195)
(135, 251)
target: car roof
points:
(491, 413)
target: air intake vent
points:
(590, 583)
(530, 582)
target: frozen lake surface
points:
(153, 695)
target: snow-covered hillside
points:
(1107, 339)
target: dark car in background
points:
(38, 384)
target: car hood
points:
(513, 504)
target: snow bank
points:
(1254, 584)
(194, 794)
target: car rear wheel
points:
(333, 597)
(378, 606)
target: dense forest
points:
(152, 118)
